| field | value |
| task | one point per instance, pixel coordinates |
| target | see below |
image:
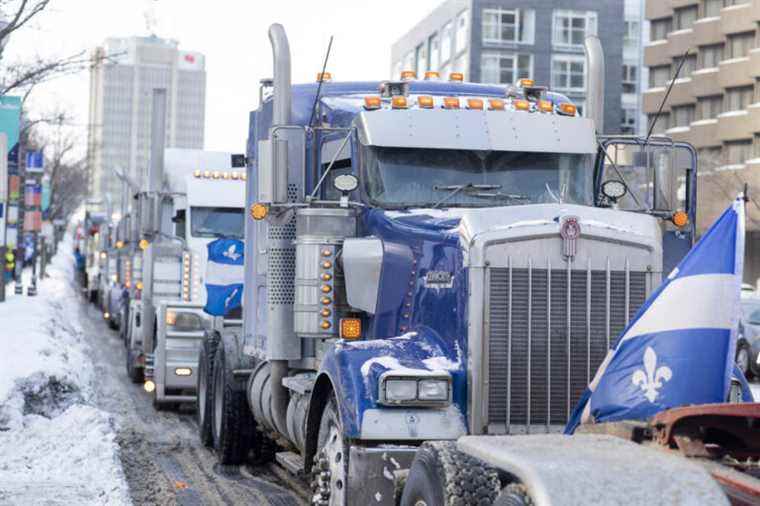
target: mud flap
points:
(373, 473)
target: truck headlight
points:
(399, 390)
(407, 389)
(433, 390)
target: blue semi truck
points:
(426, 259)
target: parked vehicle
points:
(188, 199)
(429, 259)
(748, 341)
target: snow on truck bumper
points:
(377, 469)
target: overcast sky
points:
(233, 36)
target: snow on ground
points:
(56, 449)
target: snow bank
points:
(55, 448)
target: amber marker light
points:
(496, 104)
(326, 301)
(149, 386)
(119, 244)
(139, 285)
(430, 74)
(143, 244)
(680, 219)
(372, 103)
(526, 83)
(456, 76)
(259, 211)
(521, 105)
(545, 106)
(451, 103)
(399, 102)
(326, 288)
(325, 325)
(325, 313)
(408, 75)
(327, 264)
(425, 102)
(324, 76)
(350, 328)
(568, 109)
(475, 103)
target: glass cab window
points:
(213, 222)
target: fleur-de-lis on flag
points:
(652, 377)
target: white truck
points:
(190, 198)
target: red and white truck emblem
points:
(569, 230)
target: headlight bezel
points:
(396, 378)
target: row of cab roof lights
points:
(372, 103)
(217, 174)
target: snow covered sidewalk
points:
(55, 448)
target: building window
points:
(709, 107)
(630, 73)
(711, 8)
(505, 68)
(710, 56)
(435, 51)
(421, 59)
(660, 28)
(446, 41)
(737, 152)
(682, 115)
(689, 65)
(569, 73)
(728, 3)
(739, 44)
(659, 76)
(662, 123)
(629, 120)
(737, 99)
(509, 25)
(756, 146)
(685, 17)
(632, 32)
(460, 34)
(571, 27)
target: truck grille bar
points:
(548, 331)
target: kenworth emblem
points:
(570, 230)
(439, 279)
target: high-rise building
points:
(635, 74)
(501, 41)
(715, 102)
(122, 80)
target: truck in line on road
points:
(188, 199)
(426, 259)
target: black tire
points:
(329, 477)
(441, 475)
(232, 424)
(135, 373)
(204, 401)
(743, 357)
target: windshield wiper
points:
(510, 196)
(456, 189)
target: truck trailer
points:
(427, 259)
(188, 199)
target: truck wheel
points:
(330, 471)
(135, 373)
(443, 475)
(742, 359)
(204, 401)
(232, 424)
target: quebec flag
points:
(679, 348)
(224, 276)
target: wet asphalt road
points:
(162, 457)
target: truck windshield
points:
(413, 177)
(216, 222)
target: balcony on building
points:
(652, 98)
(704, 82)
(680, 41)
(736, 72)
(679, 134)
(656, 53)
(707, 31)
(657, 9)
(754, 60)
(737, 19)
(704, 133)
(734, 126)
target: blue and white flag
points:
(679, 348)
(224, 276)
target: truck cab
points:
(426, 259)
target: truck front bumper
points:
(373, 473)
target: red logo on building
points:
(189, 58)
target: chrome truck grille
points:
(548, 330)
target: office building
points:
(501, 41)
(121, 89)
